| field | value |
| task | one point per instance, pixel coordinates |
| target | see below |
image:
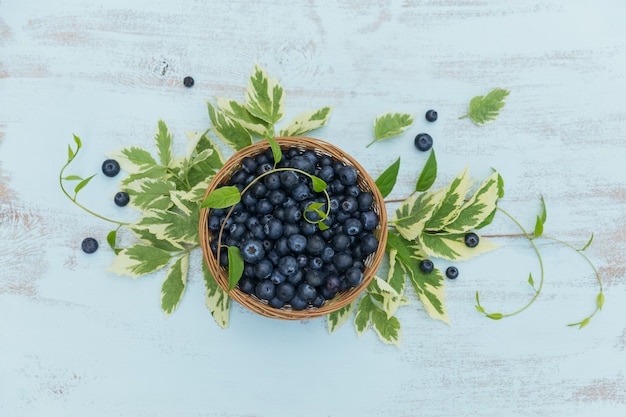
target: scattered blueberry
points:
(471, 240)
(452, 272)
(89, 245)
(431, 115)
(110, 167)
(121, 198)
(188, 82)
(423, 142)
(426, 266)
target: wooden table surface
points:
(76, 340)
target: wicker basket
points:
(342, 298)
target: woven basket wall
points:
(342, 298)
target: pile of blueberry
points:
(289, 259)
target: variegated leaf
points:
(338, 318)
(450, 205)
(229, 130)
(203, 171)
(217, 300)
(386, 327)
(138, 259)
(174, 284)
(136, 160)
(146, 236)
(452, 246)
(307, 121)
(264, 96)
(167, 225)
(363, 314)
(163, 140)
(396, 275)
(149, 193)
(478, 208)
(413, 214)
(238, 111)
(391, 300)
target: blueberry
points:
(241, 217)
(347, 175)
(249, 199)
(121, 198)
(289, 179)
(213, 245)
(306, 292)
(358, 264)
(340, 242)
(110, 168)
(318, 301)
(349, 204)
(214, 223)
(277, 277)
(342, 261)
(297, 278)
(326, 160)
(315, 245)
(369, 220)
(303, 260)
(262, 159)
(264, 206)
(354, 276)
(369, 244)
(273, 257)
(249, 165)
(289, 202)
(335, 203)
(311, 156)
(471, 240)
(307, 228)
(303, 164)
(257, 232)
(365, 201)
(263, 168)
(268, 245)
(423, 142)
(272, 181)
(314, 277)
(277, 197)
(301, 192)
(315, 262)
(276, 303)
(298, 303)
(426, 266)
(265, 290)
(452, 272)
(239, 177)
(335, 187)
(353, 227)
(247, 285)
(287, 265)
(327, 255)
(252, 251)
(290, 229)
(352, 191)
(273, 229)
(188, 82)
(333, 283)
(326, 173)
(258, 189)
(431, 115)
(224, 258)
(252, 222)
(297, 243)
(237, 230)
(89, 245)
(342, 216)
(285, 291)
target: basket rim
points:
(343, 298)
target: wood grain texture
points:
(77, 340)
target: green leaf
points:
(389, 125)
(600, 301)
(587, 244)
(495, 316)
(387, 328)
(338, 318)
(387, 180)
(222, 197)
(163, 140)
(112, 239)
(264, 96)
(479, 308)
(229, 130)
(543, 214)
(538, 227)
(217, 300)
(531, 281)
(138, 259)
(276, 151)
(363, 314)
(82, 184)
(500, 186)
(452, 246)
(135, 160)
(429, 173)
(319, 184)
(584, 323)
(149, 193)
(307, 121)
(235, 266)
(170, 226)
(174, 284)
(450, 205)
(483, 109)
(78, 142)
(238, 112)
(70, 153)
(73, 178)
(478, 208)
(413, 214)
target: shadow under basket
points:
(343, 298)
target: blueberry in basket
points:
(304, 227)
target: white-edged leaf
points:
(478, 208)
(163, 141)
(149, 193)
(389, 125)
(203, 171)
(363, 314)
(238, 112)
(413, 214)
(338, 318)
(386, 327)
(135, 160)
(138, 259)
(396, 276)
(391, 300)
(452, 246)
(229, 130)
(217, 300)
(484, 109)
(146, 236)
(450, 205)
(307, 121)
(170, 226)
(264, 96)
(174, 285)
